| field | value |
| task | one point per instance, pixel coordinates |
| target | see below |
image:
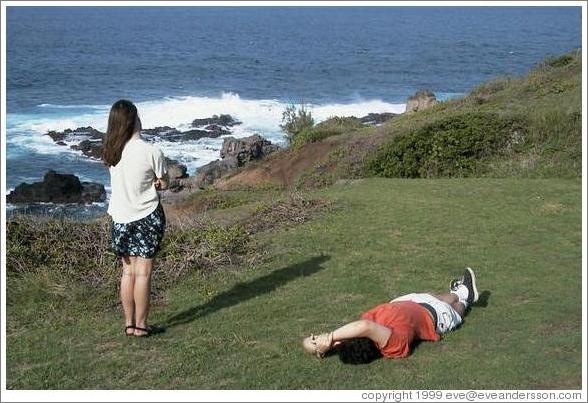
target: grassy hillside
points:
(242, 328)
(528, 127)
(250, 267)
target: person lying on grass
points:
(394, 326)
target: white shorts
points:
(447, 318)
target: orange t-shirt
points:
(408, 321)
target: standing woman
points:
(137, 171)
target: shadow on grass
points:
(244, 291)
(482, 301)
(357, 351)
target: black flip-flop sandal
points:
(129, 327)
(143, 329)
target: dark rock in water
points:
(81, 132)
(247, 149)
(376, 119)
(87, 140)
(160, 131)
(90, 148)
(170, 134)
(421, 100)
(217, 130)
(194, 134)
(91, 145)
(58, 137)
(222, 120)
(58, 188)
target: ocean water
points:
(67, 65)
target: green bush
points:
(331, 127)
(294, 120)
(338, 125)
(492, 87)
(450, 147)
(559, 61)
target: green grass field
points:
(241, 328)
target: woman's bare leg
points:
(127, 284)
(453, 300)
(142, 269)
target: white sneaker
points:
(469, 280)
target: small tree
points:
(294, 120)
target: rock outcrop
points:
(234, 153)
(376, 119)
(81, 132)
(421, 100)
(167, 133)
(58, 188)
(222, 120)
(89, 141)
(90, 148)
(246, 149)
(207, 174)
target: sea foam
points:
(262, 116)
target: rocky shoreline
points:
(235, 153)
(88, 140)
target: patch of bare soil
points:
(281, 169)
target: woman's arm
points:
(159, 166)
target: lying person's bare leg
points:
(453, 300)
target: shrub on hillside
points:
(563, 60)
(484, 92)
(449, 147)
(331, 127)
(81, 251)
(294, 120)
(77, 250)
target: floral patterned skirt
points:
(139, 238)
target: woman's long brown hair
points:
(121, 126)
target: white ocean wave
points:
(257, 115)
(27, 131)
(83, 106)
(19, 142)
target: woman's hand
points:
(159, 184)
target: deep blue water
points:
(88, 55)
(66, 65)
